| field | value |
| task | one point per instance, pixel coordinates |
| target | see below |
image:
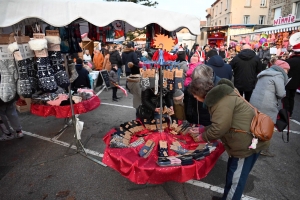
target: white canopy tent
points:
(59, 13)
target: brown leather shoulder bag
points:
(262, 125)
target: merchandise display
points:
(143, 154)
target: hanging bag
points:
(262, 125)
(282, 122)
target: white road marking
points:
(296, 132)
(98, 154)
(215, 188)
(65, 144)
(295, 121)
(109, 104)
(100, 91)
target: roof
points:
(275, 29)
(62, 12)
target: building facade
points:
(282, 8)
(223, 12)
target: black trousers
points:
(288, 100)
(114, 90)
(247, 94)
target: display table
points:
(146, 170)
(65, 111)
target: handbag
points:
(144, 113)
(282, 122)
(262, 125)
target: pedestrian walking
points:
(246, 66)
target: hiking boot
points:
(6, 137)
(266, 153)
(20, 134)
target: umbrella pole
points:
(160, 96)
(79, 146)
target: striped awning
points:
(277, 29)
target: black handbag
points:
(282, 122)
(144, 113)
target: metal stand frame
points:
(79, 146)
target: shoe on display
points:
(114, 99)
(20, 134)
(6, 137)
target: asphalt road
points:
(37, 167)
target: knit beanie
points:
(282, 64)
(178, 94)
(194, 59)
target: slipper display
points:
(147, 148)
(163, 149)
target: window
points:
(263, 3)
(212, 13)
(220, 22)
(221, 7)
(277, 13)
(246, 19)
(225, 20)
(216, 11)
(297, 11)
(261, 19)
(215, 23)
(227, 4)
(248, 3)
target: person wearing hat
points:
(179, 112)
(133, 84)
(264, 55)
(269, 89)
(197, 50)
(294, 74)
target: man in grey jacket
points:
(264, 55)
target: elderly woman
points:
(229, 113)
(269, 89)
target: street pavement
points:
(37, 167)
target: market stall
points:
(199, 158)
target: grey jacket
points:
(133, 84)
(269, 89)
(265, 56)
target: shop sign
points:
(239, 31)
(285, 20)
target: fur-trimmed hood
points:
(223, 88)
(128, 50)
(134, 78)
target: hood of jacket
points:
(79, 66)
(134, 78)
(216, 61)
(246, 54)
(274, 71)
(128, 50)
(223, 88)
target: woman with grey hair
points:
(229, 115)
(195, 113)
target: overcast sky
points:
(193, 7)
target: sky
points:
(193, 7)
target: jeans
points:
(119, 71)
(9, 114)
(238, 170)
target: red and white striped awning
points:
(278, 29)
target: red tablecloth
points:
(65, 111)
(145, 170)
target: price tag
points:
(4, 53)
(27, 51)
(52, 32)
(39, 36)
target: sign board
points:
(103, 79)
(4, 53)
(284, 20)
(239, 31)
(27, 51)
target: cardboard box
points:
(25, 108)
